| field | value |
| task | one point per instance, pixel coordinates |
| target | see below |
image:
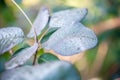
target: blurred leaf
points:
(110, 34)
(9, 37)
(47, 57)
(3, 59)
(8, 16)
(114, 6)
(2, 4)
(21, 57)
(58, 70)
(116, 76)
(48, 34)
(40, 22)
(112, 57)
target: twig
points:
(23, 12)
(35, 57)
(35, 37)
(43, 35)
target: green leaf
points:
(22, 48)
(40, 52)
(3, 59)
(48, 34)
(58, 70)
(47, 57)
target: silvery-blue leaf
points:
(9, 37)
(58, 70)
(71, 40)
(40, 22)
(21, 57)
(65, 17)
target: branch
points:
(35, 37)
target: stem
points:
(22, 12)
(35, 57)
(38, 41)
(35, 37)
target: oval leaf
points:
(40, 22)
(48, 34)
(20, 49)
(65, 17)
(59, 70)
(71, 40)
(9, 37)
(47, 57)
(21, 57)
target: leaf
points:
(65, 17)
(21, 57)
(18, 51)
(40, 22)
(40, 52)
(48, 34)
(47, 57)
(59, 70)
(71, 40)
(3, 59)
(9, 37)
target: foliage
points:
(47, 57)
(101, 62)
(57, 70)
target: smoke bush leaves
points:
(40, 22)
(72, 37)
(9, 37)
(21, 57)
(71, 40)
(58, 70)
(66, 17)
(67, 37)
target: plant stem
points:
(35, 37)
(35, 57)
(22, 12)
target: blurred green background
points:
(99, 63)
